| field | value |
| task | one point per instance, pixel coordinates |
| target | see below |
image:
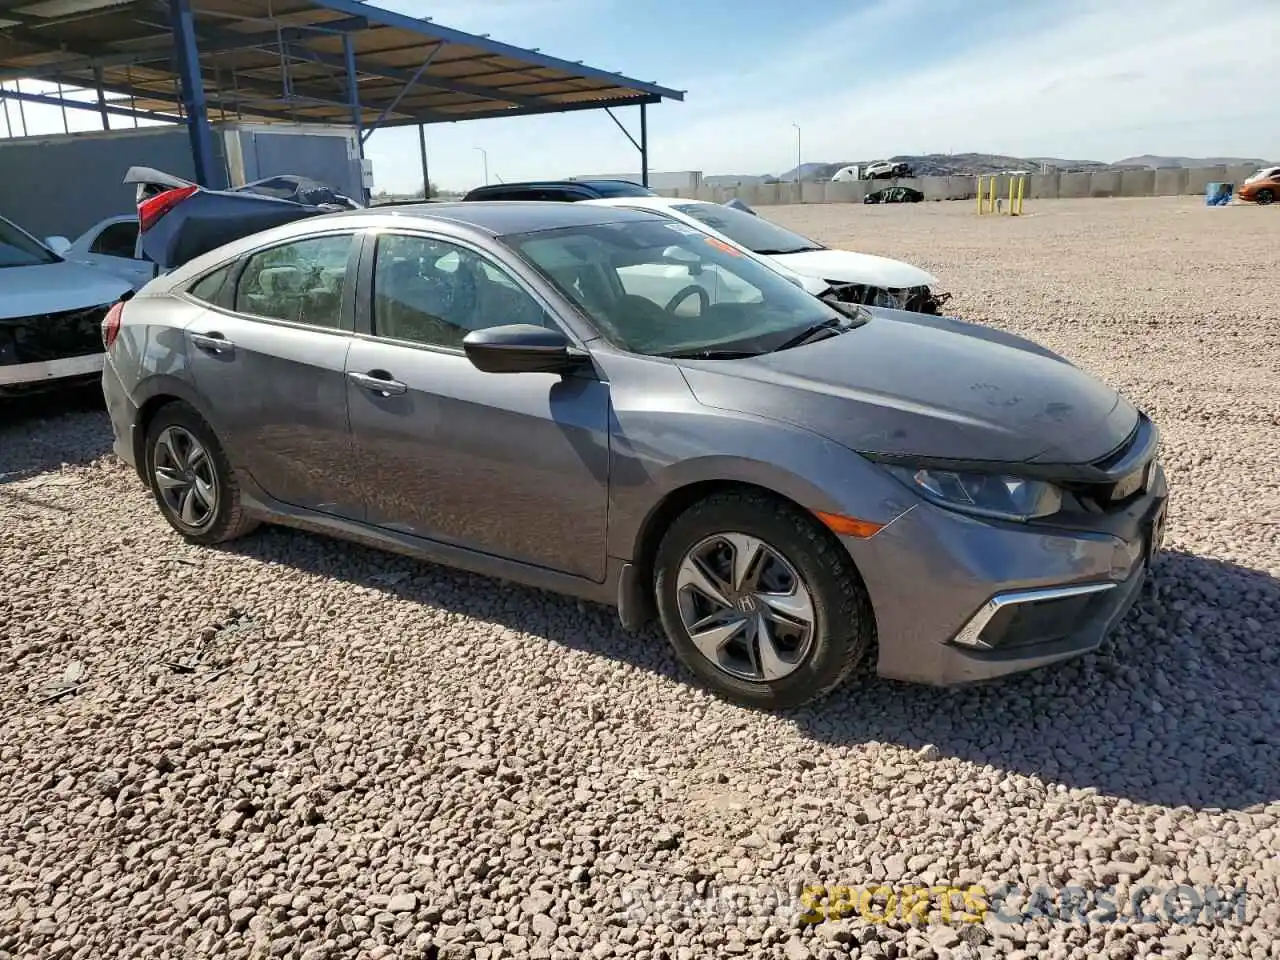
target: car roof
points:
(502, 217)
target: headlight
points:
(888, 299)
(867, 295)
(983, 494)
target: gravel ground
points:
(295, 747)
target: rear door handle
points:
(378, 382)
(213, 343)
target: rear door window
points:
(298, 282)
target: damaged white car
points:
(51, 314)
(843, 274)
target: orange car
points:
(1262, 187)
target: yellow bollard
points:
(992, 196)
(1012, 209)
(979, 195)
(1021, 183)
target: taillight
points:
(111, 324)
(149, 211)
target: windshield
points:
(755, 233)
(18, 249)
(661, 288)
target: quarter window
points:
(300, 282)
(432, 292)
(117, 240)
(209, 287)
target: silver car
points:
(552, 393)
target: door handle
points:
(213, 343)
(379, 382)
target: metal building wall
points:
(64, 184)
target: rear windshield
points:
(755, 233)
(17, 249)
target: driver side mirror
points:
(521, 348)
(59, 245)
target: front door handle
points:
(213, 343)
(378, 382)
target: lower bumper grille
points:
(1022, 617)
(52, 336)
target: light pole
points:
(484, 153)
(799, 188)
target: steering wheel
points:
(681, 296)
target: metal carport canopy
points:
(308, 61)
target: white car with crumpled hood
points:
(51, 315)
(851, 277)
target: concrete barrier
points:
(1042, 186)
(767, 193)
(846, 191)
(1073, 185)
(1137, 183)
(1170, 181)
(1198, 178)
(1165, 182)
(962, 188)
(1104, 184)
(936, 188)
(1237, 173)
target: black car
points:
(560, 190)
(894, 195)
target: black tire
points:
(844, 623)
(227, 520)
(1266, 195)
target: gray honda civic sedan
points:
(607, 404)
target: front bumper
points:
(958, 599)
(50, 350)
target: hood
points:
(912, 385)
(55, 287)
(845, 266)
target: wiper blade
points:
(819, 331)
(781, 252)
(711, 354)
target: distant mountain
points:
(1061, 164)
(973, 164)
(810, 171)
(1154, 162)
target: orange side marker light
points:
(849, 526)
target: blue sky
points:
(1085, 79)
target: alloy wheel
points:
(185, 477)
(745, 607)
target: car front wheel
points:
(760, 601)
(1266, 195)
(191, 479)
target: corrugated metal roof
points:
(284, 60)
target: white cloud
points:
(1110, 79)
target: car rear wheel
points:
(1266, 195)
(191, 479)
(760, 601)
